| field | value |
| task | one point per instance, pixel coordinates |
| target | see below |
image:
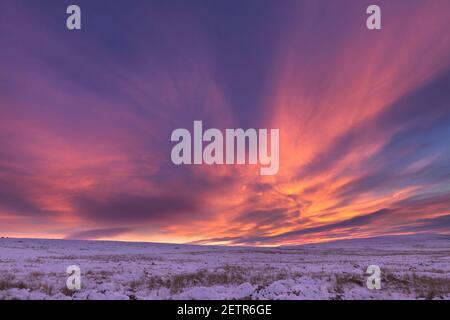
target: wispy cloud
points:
(85, 120)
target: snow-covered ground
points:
(412, 267)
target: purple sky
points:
(86, 118)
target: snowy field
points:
(412, 267)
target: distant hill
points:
(411, 241)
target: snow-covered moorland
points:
(412, 267)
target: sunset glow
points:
(86, 119)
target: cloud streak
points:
(85, 120)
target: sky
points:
(86, 118)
